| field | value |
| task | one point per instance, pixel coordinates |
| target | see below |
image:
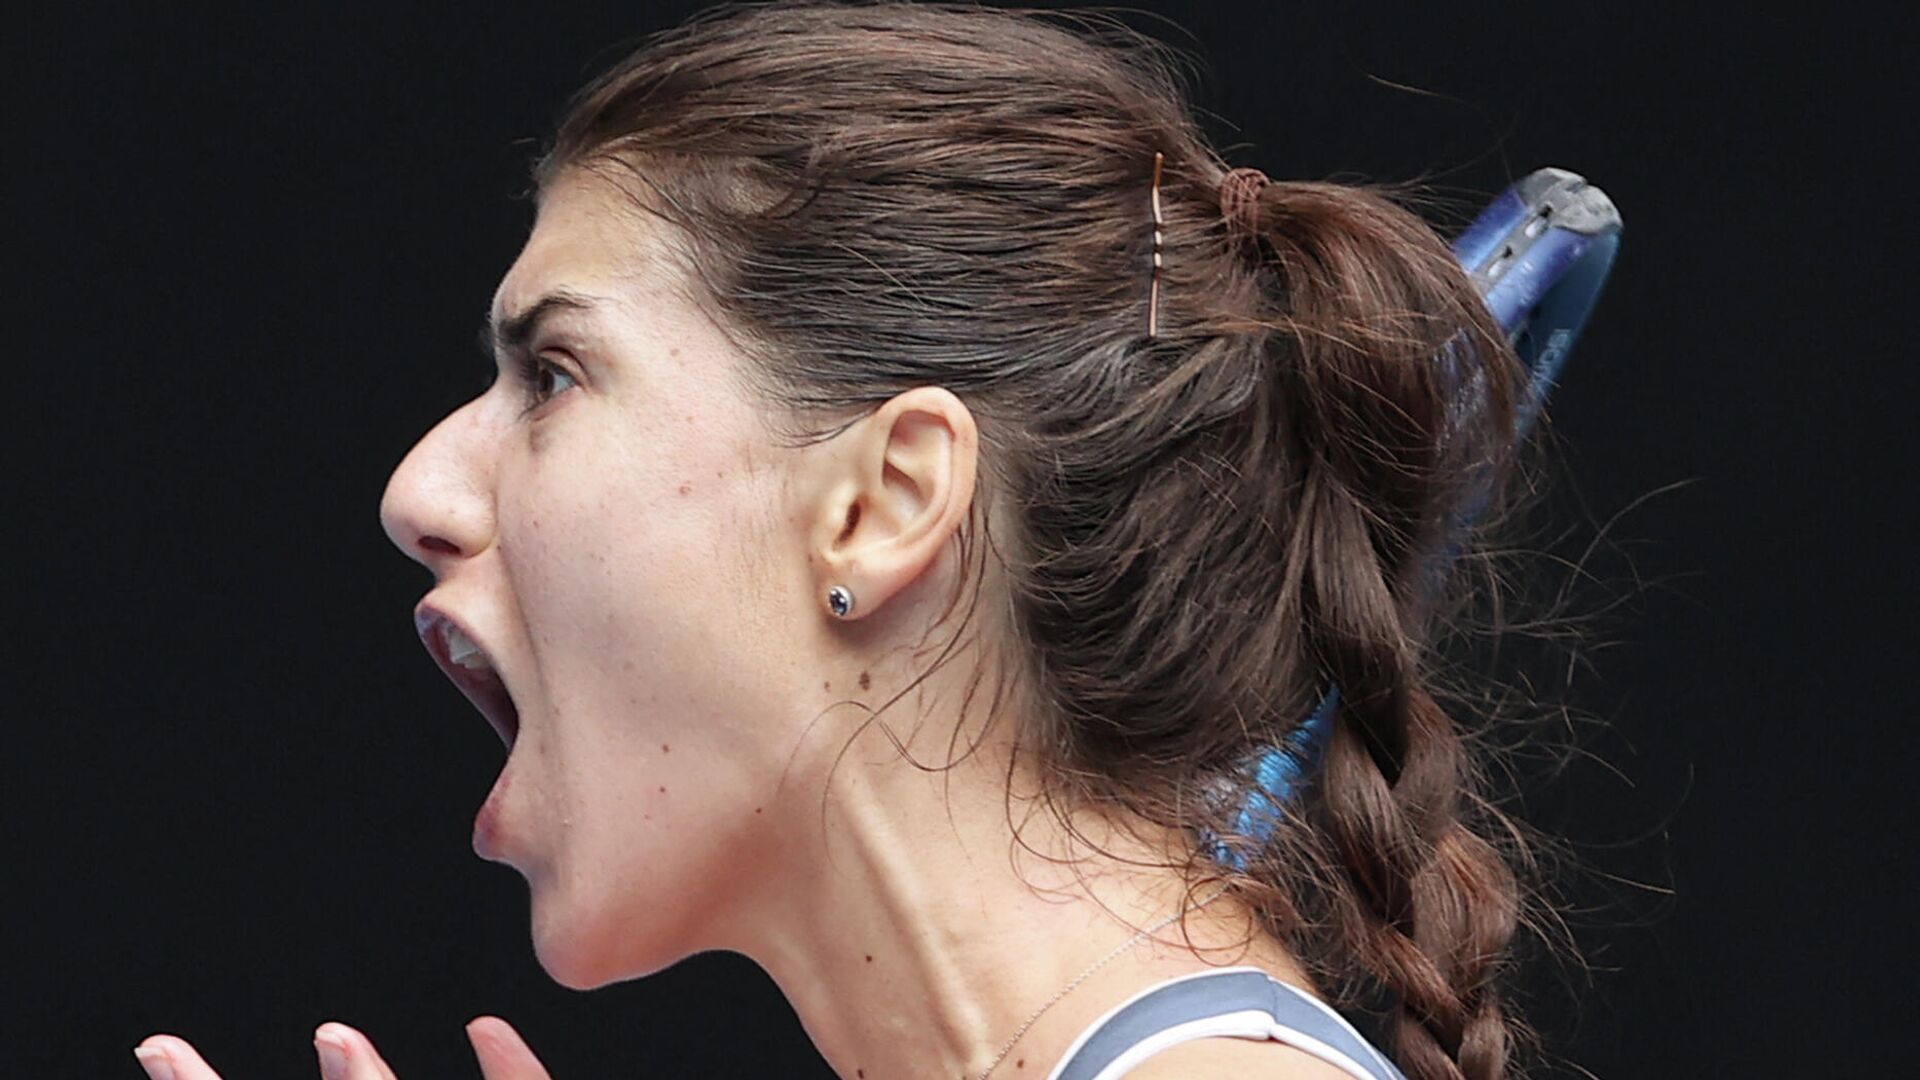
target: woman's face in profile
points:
(607, 530)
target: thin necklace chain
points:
(1098, 964)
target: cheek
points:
(634, 582)
(590, 529)
(644, 587)
(622, 589)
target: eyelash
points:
(533, 369)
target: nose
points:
(438, 506)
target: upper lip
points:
(486, 689)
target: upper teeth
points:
(461, 650)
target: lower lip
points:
(487, 833)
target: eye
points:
(542, 380)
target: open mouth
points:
(468, 665)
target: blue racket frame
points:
(1538, 255)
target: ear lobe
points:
(901, 490)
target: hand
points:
(345, 1054)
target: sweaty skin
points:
(645, 563)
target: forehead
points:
(588, 237)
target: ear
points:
(893, 489)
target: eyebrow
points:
(514, 331)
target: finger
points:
(176, 1056)
(357, 1057)
(503, 1054)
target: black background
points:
(248, 251)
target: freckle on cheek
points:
(866, 681)
(686, 489)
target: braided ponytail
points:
(1204, 512)
(1420, 903)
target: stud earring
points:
(840, 601)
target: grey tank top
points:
(1241, 1002)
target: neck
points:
(914, 936)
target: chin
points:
(584, 947)
(571, 970)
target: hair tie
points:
(1240, 199)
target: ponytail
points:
(1203, 513)
(1420, 904)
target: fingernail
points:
(158, 1065)
(333, 1055)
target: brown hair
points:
(1211, 525)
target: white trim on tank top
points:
(1243, 1024)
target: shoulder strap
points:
(1244, 1002)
